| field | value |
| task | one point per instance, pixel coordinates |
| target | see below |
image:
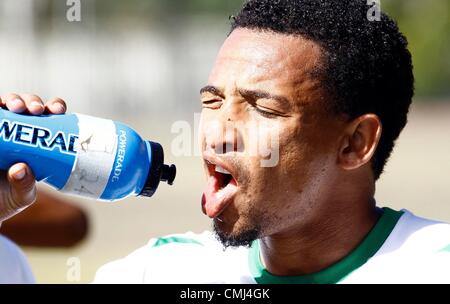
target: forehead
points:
(265, 60)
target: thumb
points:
(22, 188)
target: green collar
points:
(336, 272)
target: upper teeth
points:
(221, 170)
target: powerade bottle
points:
(83, 155)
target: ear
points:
(360, 142)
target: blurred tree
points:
(426, 24)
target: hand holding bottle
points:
(17, 184)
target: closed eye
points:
(212, 104)
(265, 112)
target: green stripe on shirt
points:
(175, 239)
(445, 249)
(338, 271)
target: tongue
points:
(214, 200)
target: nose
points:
(224, 134)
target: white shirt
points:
(401, 248)
(14, 268)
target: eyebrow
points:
(257, 94)
(213, 90)
(252, 94)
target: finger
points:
(2, 104)
(14, 103)
(56, 106)
(34, 104)
(23, 186)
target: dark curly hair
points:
(367, 67)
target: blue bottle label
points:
(37, 137)
(47, 143)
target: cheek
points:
(207, 126)
(262, 142)
(297, 157)
(304, 171)
(275, 157)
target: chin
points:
(235, 236)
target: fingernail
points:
(19, 175)
(36, 104)
(57, 107)
(17, 102)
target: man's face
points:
(262, 96)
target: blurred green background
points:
(425, 23)
(142, 62)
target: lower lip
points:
(215, 200)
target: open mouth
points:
(223, 177)
(220, 190)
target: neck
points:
(322, 242)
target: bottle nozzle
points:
(158, 170)
(168, 174)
